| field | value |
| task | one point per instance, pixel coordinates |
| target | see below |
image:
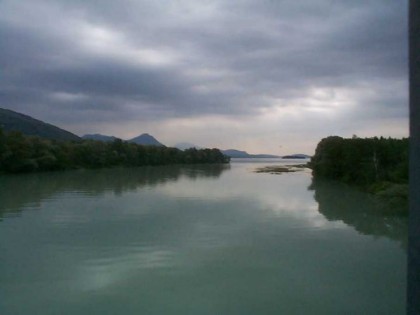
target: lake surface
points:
(196, 240)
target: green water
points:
(196, 240)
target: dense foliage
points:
(364, 162)
(19, 153)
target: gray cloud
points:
(153, 60)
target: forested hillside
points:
(14, 121)
(19, 153)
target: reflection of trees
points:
(18, 191)
(368, 215)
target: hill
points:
(243, 154)
(146, 139)
(99, 137)
(14, 121)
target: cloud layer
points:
(250, 74)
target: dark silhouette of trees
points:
(19, 154)
(364, 162)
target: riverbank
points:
(378, 166)
(391, 198)
(27, 154)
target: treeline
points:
(19, 153)
(369, 162)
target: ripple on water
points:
(122, 264)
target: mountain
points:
(146, 139)
(296, 156)
(235, 153)
(99, 137)
(14, 121)
(186, 145)
(243, 154)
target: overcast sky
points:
(265, 76)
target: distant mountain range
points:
(143, 139)
(13, 121)
(242, 154)
(230, 153)
(233, 153)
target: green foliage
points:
(20, 153)
(363, 162)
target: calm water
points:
(196, 240)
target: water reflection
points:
(176, 241)
(29, 190)
(369, 216)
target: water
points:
(196, 240)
